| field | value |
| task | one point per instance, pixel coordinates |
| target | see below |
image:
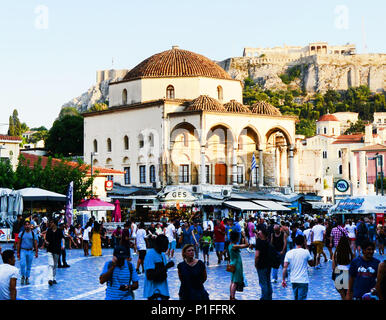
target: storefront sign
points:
(180, 194)
(109, 185)
(342, 185)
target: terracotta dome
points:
(328, 117)
(205, 103)
(234, 106)
(177, 63)
(263, 107)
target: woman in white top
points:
(350, 228)
(340, 265)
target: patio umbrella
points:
(117, 212)
(37, 194)
(95, 205)
(18, 204)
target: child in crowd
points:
(206, 242)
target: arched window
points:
(151, 140)
(220, 93)
(339, 154)
(141, 142)
(124, 96)
(95, 146)
(126, 143)
(340, 169)
(152, 173)
(108, 145)
(170, 92)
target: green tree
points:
(65, 138)
(98, 107)
(7, 175)
(306, 127)
(356, 127)
(68, 111)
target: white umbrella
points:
(18, 204)
(37, 194)
(3, 204)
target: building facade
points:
(10, 149)
(177, 118)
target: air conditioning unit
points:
(286, 190)
(225, 193)
(196, 189)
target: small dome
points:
(328, 117)
(263, 107)
(205, 103)
(177, 63)
(234, 106)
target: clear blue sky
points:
(41, 69)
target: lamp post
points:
(93, 154)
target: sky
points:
(50, 50)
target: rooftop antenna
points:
(364, 36)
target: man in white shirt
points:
(297, 260)
(86, 237)
(140, 243)
(170, 233)
(8, 276)
(318, 233)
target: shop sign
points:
(5, 234)
(342, 185)
(179, 194)
(109, 185)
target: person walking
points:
(206, 243)
(262, 263)
(126, 237)
(26, 246)
(219, 240)
(96, 246)
(372, 230)
(16, 228)
(362, 233)
(237, 279)
(120, 276)
(185, 234)
(351, 230)
(54, 239)
(336, 234)
(141, 246)
(297, 260)
(195, 237)
(86, 237)
(328, 239)
(8, 276)
(134, 228)
(381, 239)
(279, 242)
(251, 235)
(62, 262)
(155, 264)
(340, 265)
(192, 274)
(363, 272)
(318, 233)
(170, 233)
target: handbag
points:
(231, 268)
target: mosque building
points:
(178, 118)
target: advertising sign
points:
(109, 185)
(342, 185)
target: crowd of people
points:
(291, 242)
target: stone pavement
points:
(81, 280)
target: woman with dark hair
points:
(185, 234)
(237, 280)
(96, 246)
(341, 262)
(192, 274)
(328, 244)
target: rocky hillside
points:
(317, 73)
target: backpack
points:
(274, 257)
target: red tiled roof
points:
(10, 138)
(34, 158)
(328, 117)
(177, 63)
(349, 138)
(374, 147)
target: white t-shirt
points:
(298, 264)
(307, 234)
(141, 243)
(351, 230)
(318, 231)
(7, 272)
(86, 233)
(135, 228)
(170, 232)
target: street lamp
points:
(93, 154)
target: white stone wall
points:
(11, 150)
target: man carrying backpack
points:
(362, 234)
(120, 276)
(26, 246)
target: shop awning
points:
(244, 205)
(271, 205)
(319, 205)
(209, 202)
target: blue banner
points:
(69, 203)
